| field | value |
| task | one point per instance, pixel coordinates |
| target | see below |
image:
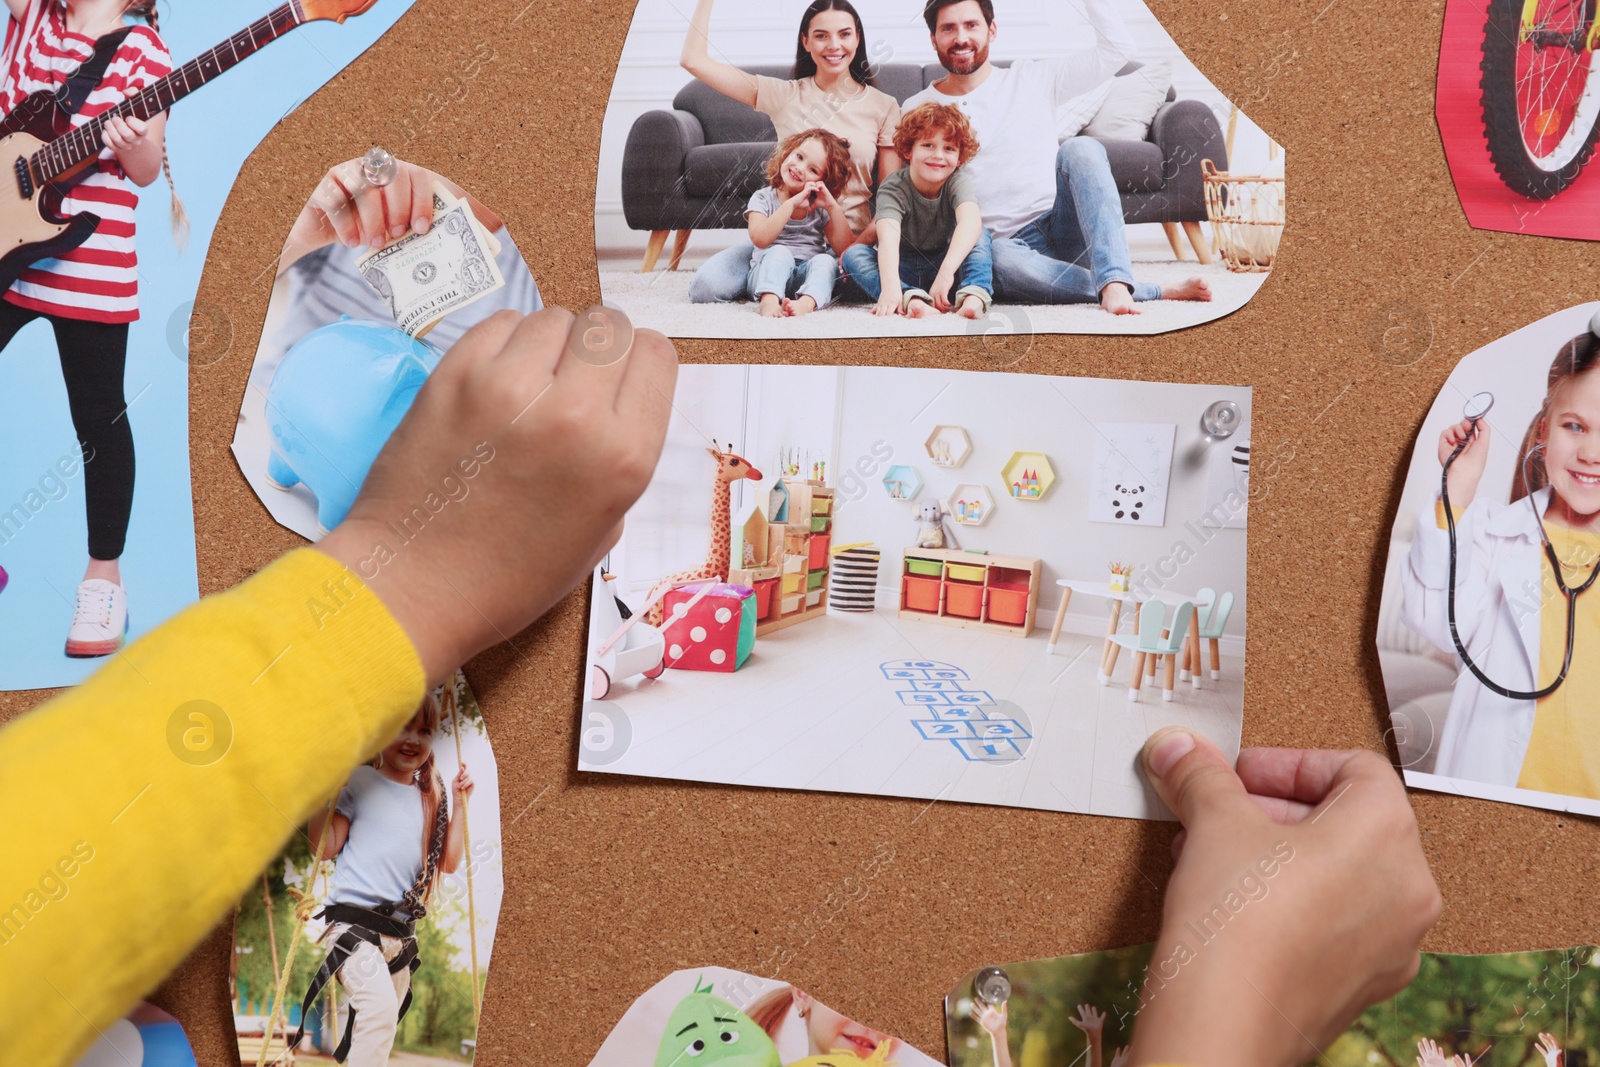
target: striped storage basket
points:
(855, 578)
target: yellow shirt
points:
(141, 805)
(1564, 750)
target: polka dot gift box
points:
(709, 629)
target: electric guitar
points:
(41, 154)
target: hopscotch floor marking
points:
(960, 716)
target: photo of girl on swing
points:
(1489, 634)
(372, 935)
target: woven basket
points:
(1247, 214)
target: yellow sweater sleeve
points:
(142, 804)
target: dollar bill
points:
(424, 277)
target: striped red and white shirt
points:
(99, 280)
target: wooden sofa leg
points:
(679, 243)
(1171, 230)
(1197, 238)
(652, 251)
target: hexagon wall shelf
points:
(969, 505)
(1028, 476)
(948, 446)
(902, 482)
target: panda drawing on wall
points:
(1125, 503)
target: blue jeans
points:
(725, 277)
(917, 272)
(777, 271)
(1069, 255)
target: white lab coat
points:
(1498, 609)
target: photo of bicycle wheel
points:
(1519, 113)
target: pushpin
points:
(379, 168)
(1594, 324)
(1221, 419)
(992, 986)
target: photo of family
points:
(984, 588)
(1519, 113)
(359, 318)
(96, 520)
(713, 1015)
(1488, 633)
(1510, 1010)
(915, 167)
(368, 942)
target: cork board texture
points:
(613, 883)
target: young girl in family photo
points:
(84, 50)
(1510, 610)
(798, 226)
(393, 835)
(795, 1020)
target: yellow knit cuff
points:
(1438, 514)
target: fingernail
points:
(397, 230)
(1166, 748)
(421, 225)
(377, 242)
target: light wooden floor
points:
(811, 709)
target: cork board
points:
(612, 884)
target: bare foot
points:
(1117, 298)
(1193, 289)
(971, 308)
(771, 306)
(921, 309)
(803, 306)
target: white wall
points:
(764, 31)
(843, 413)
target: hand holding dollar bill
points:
(426, 276)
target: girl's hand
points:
(1090, 1020)
(463, 785)
(888, 303)
(991, 1018)
(1467, 470)
(1429, 1054)
(1119, 1057)
(825, 197)
(123, 135)
(1547, 1047)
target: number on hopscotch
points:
(959, 715)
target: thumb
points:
(1193, 778)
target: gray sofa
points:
(696, 166)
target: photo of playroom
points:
(979, 587)
(897, 168)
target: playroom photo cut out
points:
(712, 1015)
(809, 630)
(351, 335)
(734, 180)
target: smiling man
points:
(1053, 208)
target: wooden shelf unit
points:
(790, 546)
(972, 590)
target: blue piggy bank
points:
(334, 400)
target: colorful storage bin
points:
(921, 594)
(819, 523)
(765, 590)
(854, 585)
(815, 579)
(819, 551)
(964, 599)
(813, 598)
(965, 573)
(821, 505)
(1008, 603)
(932, 568)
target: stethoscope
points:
(1476, 408)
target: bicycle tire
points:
(1503, 127)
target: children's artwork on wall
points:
(352, 334)
(68, 491)
(916, 648)
(714, 1015)
(1501, 1010)
(442, 875)
(1129, 474)
(1228, 480)
(146, 1037)
(1519, 114)
(1486, 708)
(732, 186)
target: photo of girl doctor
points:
(1523, 717)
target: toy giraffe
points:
(730, 469)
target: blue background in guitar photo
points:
(209, 136)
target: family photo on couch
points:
(926, 167)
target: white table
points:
(1110, 650)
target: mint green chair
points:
(1203, 603)
(1210, 627)
(1156, 640)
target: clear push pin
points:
(379, 168)
(1221, 419)
(992, 986)
(1594, 324)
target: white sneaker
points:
(100, 623)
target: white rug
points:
(660, 301)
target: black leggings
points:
(94, 358)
